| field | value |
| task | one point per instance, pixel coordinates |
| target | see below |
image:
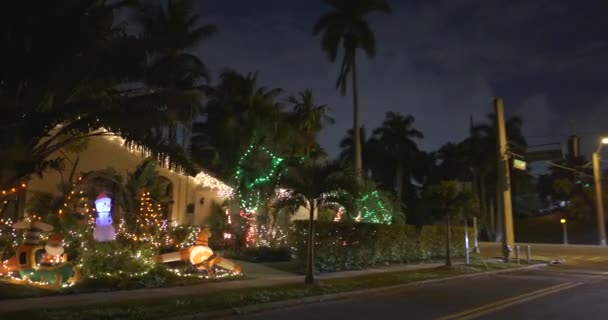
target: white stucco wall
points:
(303, 213)
(104, 151)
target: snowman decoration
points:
(104, 230)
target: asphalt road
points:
(574, 290)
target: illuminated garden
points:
(126, 165)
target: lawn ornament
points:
(40, 265)
(104, 230)
(201, 256)
(54, 252)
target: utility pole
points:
(599, 203)
(503, 181)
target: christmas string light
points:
(228, 218)
(163, 160)
(339, 214)
(13, 190)
(205, 180)
(248, 192)
(379, 214)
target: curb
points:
(339, 296)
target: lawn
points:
(237, 298)
(12, 291)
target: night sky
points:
(441, 61)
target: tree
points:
(239, 113)
(346, 26)
(171, 31)
(396, 136)
(347, 144)
(314, 186)
(310, 119)
(480, 149)
(68, 70)
(144, 198)
(449, 200)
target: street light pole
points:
(599, 203)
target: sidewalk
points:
(259, 276)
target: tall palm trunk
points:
(358, 163)
(310, 277)
(308, 143)
(485, 208)
(448, 241)
(399, 182)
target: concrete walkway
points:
(259, 276)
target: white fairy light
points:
(207, 181)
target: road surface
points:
(573, 290)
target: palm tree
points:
(239, 113)
(455, 161)
(314, 186)
(347, 144)
(310, 118)
(80, 69)
(371, 151)
(481, 147)
(448, 200)
(171, 31)
(345, 26)
(396, 137)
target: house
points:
(193, 196)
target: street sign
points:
(544, 155)
(519, 164)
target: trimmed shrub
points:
(433, 241)
(347, 246)
(117, 259)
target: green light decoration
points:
(248, 189)
(373, 209)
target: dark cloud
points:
(441, 61)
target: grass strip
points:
(238, 298)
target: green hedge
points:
(347, 246)
(117, 259)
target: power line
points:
(545, 144)
(588, 133)
(569, 169)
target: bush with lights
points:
(117, 259)
(351, 245)
(8, 239)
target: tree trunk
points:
(399, 183)
(448, 235)
(498, 217)
(310, 278)
(358, 163)
(485, 212)
(308, 134)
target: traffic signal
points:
(584, 182)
